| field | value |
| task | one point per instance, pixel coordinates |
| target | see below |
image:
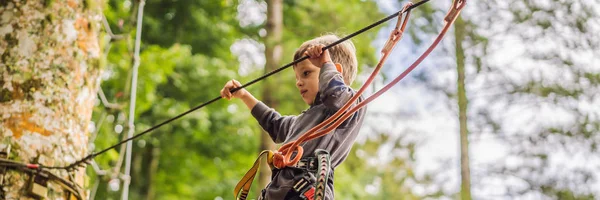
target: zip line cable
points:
(85, 160)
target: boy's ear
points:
(339, 68)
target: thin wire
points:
(94, 189)
(105, 101)
(131, 126)
(85, 159)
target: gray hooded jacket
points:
(332, 95)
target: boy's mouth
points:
(302, 92)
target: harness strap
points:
(243, 187)
(322, 173)
(304, 188)
(309, 188)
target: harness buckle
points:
(37, 186)
(308, 163)
(305, 188)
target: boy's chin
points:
(307, 101)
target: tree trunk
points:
(49, 76)
(459, 33)
(273, 51)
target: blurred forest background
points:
(524, 76)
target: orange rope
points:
(283, 157)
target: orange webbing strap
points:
(243, 187)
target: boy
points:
(323, 82)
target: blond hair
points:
(343, 53)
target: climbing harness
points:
(308, 187)
(283, 157)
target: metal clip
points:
(38, 185)
(398, 30)
(455, 9)
(4, 155)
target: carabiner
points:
(457, 6)
(398, 30)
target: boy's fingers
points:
(237, 84)
(228, 91)
(234, 85)
(310, 51)
(230, 85)
(225, 95)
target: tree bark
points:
(49, 76)
(273, 51)
(459, 33)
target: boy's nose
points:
(299, 83)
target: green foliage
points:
(200, 155)
(192, 149)
(209, 27)
(391, 177)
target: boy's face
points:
(307, 80)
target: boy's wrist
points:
(245, 94)
(249, 100)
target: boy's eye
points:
(306, 73)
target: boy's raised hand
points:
(225, 92)
(317, 56)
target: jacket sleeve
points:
(272, 122)
(334, 92)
